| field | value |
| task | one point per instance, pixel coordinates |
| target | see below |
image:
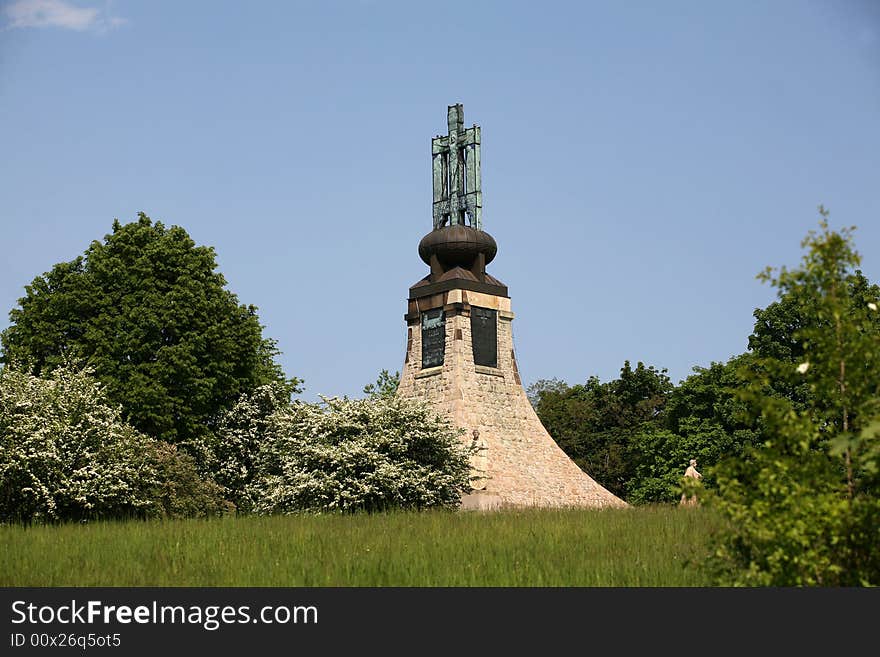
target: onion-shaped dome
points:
(457, 246)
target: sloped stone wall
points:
(521, 464)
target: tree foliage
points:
(803, 507)
(705, 416)
(781, 329)
(66, 454)
(359, 455)
(705, 421)
(597, 424)
(147, 311)
(175, 487)
(384, 386)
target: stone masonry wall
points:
(524, 465)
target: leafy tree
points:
(597, 424)
(703, 420)
(802, 508)
(175, 488)
(65, 453)
(359, 455)
(780, 329)
(547, 387)
(642, 457)
(385, 385)
(147, 311)
(775, 329)
(706, 417)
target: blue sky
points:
(642, 161)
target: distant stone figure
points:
(479, 461)
(690, 473)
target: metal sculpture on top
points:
(457, 249)
(458, 198)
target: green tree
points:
(781, 327)
(385, 385)
(802, 508)
(706, 417)
(597, 424)
(703, 420)
(546, 387)
(359, 455)
(147, 311)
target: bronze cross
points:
(458, 198)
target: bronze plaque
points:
(484, 335)
(433, 337)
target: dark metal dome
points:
(457, 246)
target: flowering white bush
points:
(358, 455)
(65, 453)
(228, 455)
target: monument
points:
(459, 347)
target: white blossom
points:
(872, 306)
(350, 455)
(67, 453)
(803, 367)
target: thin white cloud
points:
(61, 14)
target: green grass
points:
(630, 547)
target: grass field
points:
(630, 547)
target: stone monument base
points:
(520, 463)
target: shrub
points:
(229, 454)
(359, 455)
(802, 509)
(66, 454)
(175, 488)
